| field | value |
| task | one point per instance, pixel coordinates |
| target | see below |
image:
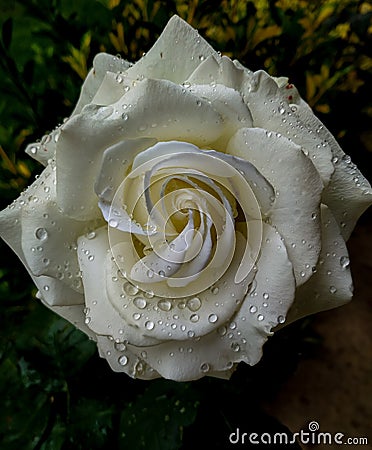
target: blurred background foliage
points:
(55, 391)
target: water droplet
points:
(253, 309)
(125, 116)
(222, 331)
(149, 325)
(265, 295)
(198, 103)
(46, 288)
(161, 273)
(33, 150)
(235, 347)
(164, 305)
(87, 320)
(204, 367)
(260, 317)
(41, 234)
(91, 235)
(90, 257)
(113, 223)
(344, 262)
(123, 360)
(136, 316)
(120, 346)
(194, 304)
(149, 294)
(140, 302)
(215, 290)
(347, 159)
(281, 110)
(332, 290)
(119, 79)
(130, 289)
(194, 318)
(335, 160)
(314, 216)
(212, 318)
(150, 273)
(281, 319)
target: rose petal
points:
(218, 69)
(347, 186)
(273, 111)
(240, 339)
(175, 55)
(331, 285)
(44, 150)
(102, 63)
(295, 212)
(122, 359)
(230, 106)
(102, 318)
(116, 161)
(165, 318)
(85, 136)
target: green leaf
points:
(6, 32)
(157, 418)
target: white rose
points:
(187, 207)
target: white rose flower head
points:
(187, 208)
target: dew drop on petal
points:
(260, 317)
(212, 318)
(149, 325)
(222, 331)
(235, 347)
(164, 305)
(130, 289)
(194, 304)
(332, 290)
(265, 295)
(113, 223)
(194, 318)
(204, 367)
(253, 309)
(120, 346)
(140, 302)
(281, 319)
(344, 262)
(123, 360)
(41, 234)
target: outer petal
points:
(270, 110)
(331, 285)
(347, 186)
(54, 292)
(295, 212)
(122, 359)
(85, 136)
(241, 338)
(175, 55)
(220, 70)
(102, 63)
